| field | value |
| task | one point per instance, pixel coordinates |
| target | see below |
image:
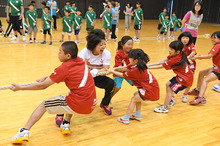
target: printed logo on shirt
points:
(16, 1)
(54, 73)
(166, 63)
(108, 14)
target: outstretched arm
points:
(208, 56)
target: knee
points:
(168, 83)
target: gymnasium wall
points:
(151, 8)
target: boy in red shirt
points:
(74, 72)
(210, 74)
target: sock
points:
(137, 113)
(172, 97)
(65, 122)
(184, 95)
(34, 38)
(16, 36)
(22, 129)
(30, 38)
(60, 114)
(126, 117)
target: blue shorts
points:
(175, 86)
(179, 28)
(77, 32)
(119, 80)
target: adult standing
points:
(53, 8)
(17, 11)
(127, 12)
(193, 19)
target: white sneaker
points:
(134, 117)
(21, 137)
(35, 41)
(65, 129)
(161, 109)
(30, 41)
(138, 40)
(125, 121)
(14, 38)
(172, 102)
(134, 38)
(164, 38)
(184, 98)
(216, 88)
(158, 38)
(24, 38)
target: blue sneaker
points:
(50, 43)
(44, 42)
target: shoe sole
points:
(195, 103)
(124, 122)
(138, 119)
(21, 140)
(65, 132)
(160, 111)
(215, 89)
(105, 112)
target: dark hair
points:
(142, 58)
(91, 6)
(70, 47)
(43, 3)
(47, 7)
(68, 11)
(68, 1)
(129, 4)
(178, 46)
(138, 2)
(107, 6)
(174, 12)
(201, 10)
(216, 34)
(31, 4)
(167, 15)
(79, 10)
(186, 34)
(73, 2)
(94, 38)
(113, 3)
(123, 41)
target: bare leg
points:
(50, 37)
(169, 92)
(202, 74)
(138, 34)
(22, 31)
(68, 117)
(77, 38)
(187, 90)
(134, 100)
(69, 37)
(116, 90)
(35, 35)
(62, 37)
(36, 115)
(206, 80)
(45, 37)
(30, 35)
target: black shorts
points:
(89, 29)
(175, 86)
(217, 74)
(137, 27)
(159, 26)
(16, 23)
(171, 29)
(47, 30)
(162, 32)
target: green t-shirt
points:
(43, 12)
(66, 7)
(172, 21)
(73, 9)
(90, 16)
(77, 22)
(166, 24)
(67, 24)
(138, 14)
(162, 17)
(107, 20)
(46, 23)
(15, 7)
(35, 9)
(178, 23)
(25, 25)
(32, 17)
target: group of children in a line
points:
(81, 74)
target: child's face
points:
(107, 9)
(133, 61)
(78, 13)
(166, 17)
(215, 40)
(31, 8)
(173, 52)
(66, 13)
(43, 5)
(90, 8)
(197, 7)
(128, 46)
(73, 5)
(100, 47)
(164, 10)
(62, 56)
(67, 3)
(138, 5)
(173, 14)
(185, 40)
(46, 10)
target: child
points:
(122, 60)
(46, 20)
(210, 74)
(73, 9)
(141, 77)
(177, 61)
(178, 24)
(115, 15)
(127, 12)
(172, 25)
(117, 6)
(161, 19)
(77, 24)
(138, 21)
(90, 17)
(31, 18)
(107, 23)
(190, 50)
(164, 28)
(67, 6)
(1, 28)
(74, 72)
(34, 4)
(67, 24)
(43, 4)
(216, 87)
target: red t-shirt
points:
(77, 77)
(144, 80)
(121, 59)
(188, 50)
(184, 74)
(216, 58)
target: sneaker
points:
(58, 120)
(50, 43)
(198, 100)
(44, 42)
(41, 30)
(14, 38)
(158, 38)
(184, 98)
(107, 109)
(24, 38)
(172, 102)
(61, 41)
(138, 40)
(134, 117)
(216, 88)
(134, 38)
(194, 92)
(110, 105)
(21, 137)
(161, 109)
(65, 129)
(125, 121)
(30, 41)
(35, 41)
(164, 38)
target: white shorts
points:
(57, 105)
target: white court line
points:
(144, 38)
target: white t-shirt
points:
(95, 61)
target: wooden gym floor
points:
(183, 125)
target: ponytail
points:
(119, 45)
